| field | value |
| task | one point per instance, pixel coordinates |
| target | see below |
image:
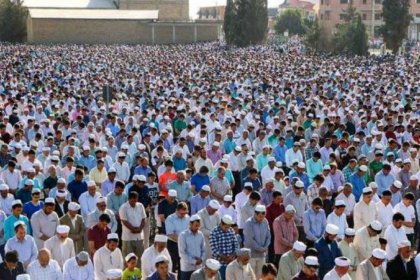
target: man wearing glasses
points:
(257, 237)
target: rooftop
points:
(94, 14)
(69, 4)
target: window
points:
(378, 16)
(344, 1)
(364, 16)
(364, 2)
(322, 16)
(327, 15)
(418, 15)
(342, 17)
(378, 1)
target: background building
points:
(331, 13)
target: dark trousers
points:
(186, 275)
(271, 255)
(350, 221)
(173, 252)
(277, 258)
(237, 188)
(302, 235)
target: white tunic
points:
(147, 261)
(393, 236)
(384, 214)
(72, 271)
(333, 275)
(364, 214)
(60, 251)
(104, 259)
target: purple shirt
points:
(214, 156)
(107, 187)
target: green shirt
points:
(375, 166)
(131, 274)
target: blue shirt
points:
(9, 227)
(175, 224)
(303, 177)
(76, 189)
(179, 163)
(223, 243)
(29, 208)
(199, 181)
(228, 145)
(358, 183)
(383, 181)
(280, 153)
(314, 224)
(197, 203)
(26, 248)
(140, 170)
(89, 162)
(257, 237)
(183, 190)
(313, 168)
(191, 246)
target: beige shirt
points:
(133, 215)
(364, 214)
(60, 251)
(236, 271)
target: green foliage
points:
(245, 22)
(317, 38)
(292, 21)
(396, 15)
(12, 21)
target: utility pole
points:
(372, 27)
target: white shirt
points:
(333, 275)
(291, 156)
(417, 263)
(233, 162)
(147, 261)
(350, 202)
(6, 203)
(363, 214)
(51, 272)
(393, 236)
(104, 259)
(267, 173)
(408, 213)
(240, 200)
(60, 251)
(384, 214)
(72, 271)
(133, 215)
(339, 221)
(12, 179)
(87, 203)
(228, 211)
(123, 171)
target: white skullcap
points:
(206, 188)
(213, 264)
(161, 238)
(238, 149)
(141, 147)
(216, 144)
(340, 203)
(404, 243)
(290, 208)
(412, 178)
(367, 190)
(407, 161)
(327, 167)
(331, 229)
(397, 184)
(172, 193)
(17, 202)
(214, 204)
(227, 198)
(311, 260)
(73, 206)
(248, 184)
(112, 236)
(340, 188)
(161, 258)
(350, 232)
(112, 170)
(114, 273)
(363, 168)
(61, 193)
(376, 225)
(342, 261)
(45, 149)
(29, 182)
(61, 180)
(62, 229)
(249, 158)
(299, 246)
(141, 178)
(299, 184)
(100, 199)
(50, 200)
(4, 187)
(301, 165)
(373, 185)
(227, 219)
(23, 277)
(270, 159)
(18, 223)
(260, 208)
(91, 183)
(379, 253)
(129, 256)
(194, 218)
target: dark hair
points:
(311, 252)
(78, 172)
(269, 268)
(316, 154)
(182, 206)
(276, 194)
(317, 201)
(386, 193)
(398, 217)
(204, 169)
(319, 178)
(382, 241)
(104, 218)
(255, 195)
(119, 184)
(133, 195)
(12, 256)
(253, 171)
(409, 196)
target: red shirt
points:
(273, 211)
(98, 236)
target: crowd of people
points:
(205, 163)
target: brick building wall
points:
(104, 31)
(169, 10)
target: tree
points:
(229, 23)
(317, 38)
(292, 21)
(245, 22)
(12, 21)
(396, 15)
